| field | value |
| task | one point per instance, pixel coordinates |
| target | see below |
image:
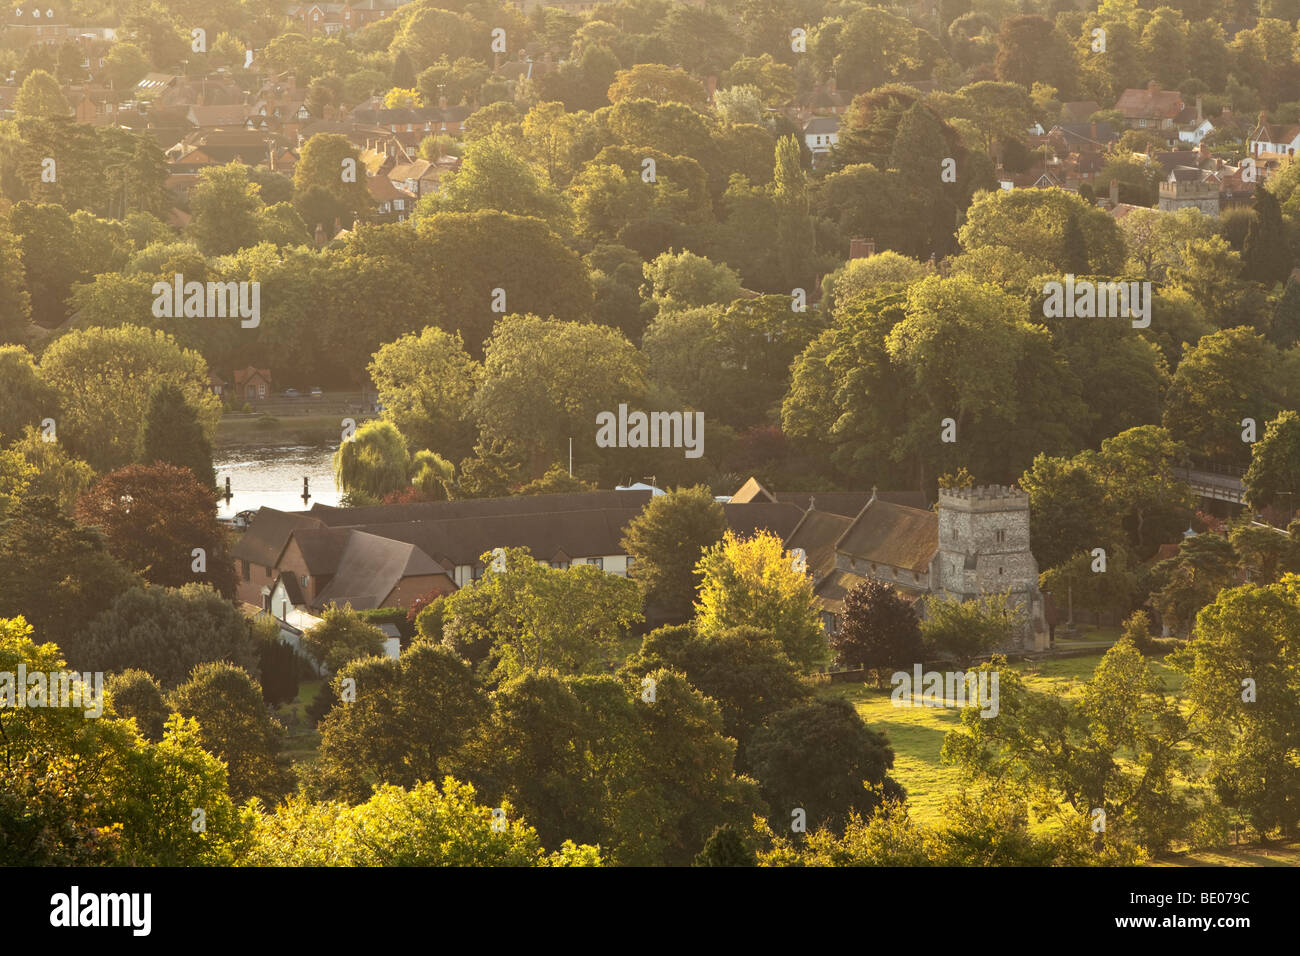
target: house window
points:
(244, 567)
(598, 562)
(268, 570)
(1001, 536)
(476, 572)
(630, 561)
(305, 581)
(559, 565)
(999, 571)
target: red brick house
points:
(253, 384)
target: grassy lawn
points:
(916, 733)
(302, 739)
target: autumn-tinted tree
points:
(878, 630)
(161, 523)
(752, 582)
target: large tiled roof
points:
(370, 568)
(475, 507)
(892, 534)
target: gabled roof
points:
(371, 567)
(291, 589)
(822, 125)
(1150, 103)
(816, 533)
(892, 534)
(268, 533)
(751, 490)
(321, 547)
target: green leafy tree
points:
(40, 97)
(532, 616)
(820, 757)
(173, 435)
(744, 670)
(342, 637)
(327, 158)
(1274, 473)
(373, 462)
(1070, 748)
(1228, 376)
(545, 380)
(409, 715)
(1243, 687)
(1188, 581)
(234, 725)
(666, 540)
(965, 630)
(428, 825)
(425, 382)
(166, 632)
(54, 571)
(225, 210)
(135, 693)
(1266, 256)
(99, 416)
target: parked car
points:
(292, 393)
(317, 393)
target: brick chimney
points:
(1093, 134)
(710, 87)
(860, 248)
(1114, 193)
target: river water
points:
(271, 476)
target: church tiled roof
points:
(893, 534)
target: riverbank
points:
(240, 429)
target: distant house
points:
(420, 178)
(252, 384)
(1273, 139)
(389, 203)
(1150, 108)
(821, 134)
(216, 384)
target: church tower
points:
(984, 549)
